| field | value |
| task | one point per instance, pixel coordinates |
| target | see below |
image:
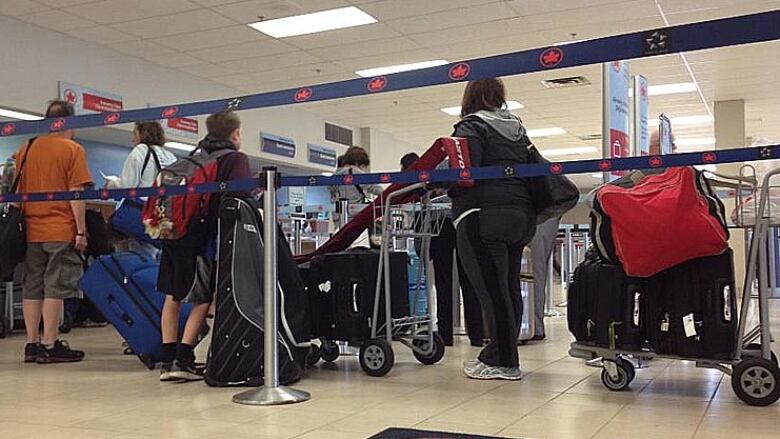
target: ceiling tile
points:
(117, 11)
(63, 3)
(204, 39)
(453, 18)
(368, 48)
(535, 7)
(208, 70)
(180, 23)
(253, 10)
(390, 10)
(13, 8)
(56, 20)
(101, 35)
(257, 64)
(174, 60)
(370, 32)
(141, 49)
(243, 50)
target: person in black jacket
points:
(495, 220)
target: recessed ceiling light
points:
(181, 146)
(510, 105)
(546, 132)
(4, 112)
(692, 120)
(387, 70)
(695, 141)
(669, 89)
(577, 150)
(314, 22)
(563, 43)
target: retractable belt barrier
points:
(447, 175)
(712, 34)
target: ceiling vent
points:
(573, 81)
(590, 137)
(337, 134)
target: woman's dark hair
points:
(60, 108)
(483, 94)
(408, 159)
(150, 133)
(356, 156)
(340, 161)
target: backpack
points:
(169, 217)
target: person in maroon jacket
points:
(186, 264)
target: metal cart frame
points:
(754, 371)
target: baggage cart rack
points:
(754, 370)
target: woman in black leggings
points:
(494, 221)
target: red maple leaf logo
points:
(348, 179)
(9, 129)
(132, 193)
(303, 94)
(170, 112)
(551, 57)
(459, 71)
(26, 197)
(424, 175)
(191, 189)
(58, 124)
(605, 165)
(377, 84)
(112, 118)
(556, 168)
(384, 178)
(616, 66)
(709, 157)
(656, 162)
(71, 96)
(49, 197)
(161, 191)
(104, 195)
(465, 174)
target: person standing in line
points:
(494, 221)
(56, 233)
(141, 167)
(441, 253)
(186, 265)
(541, 248)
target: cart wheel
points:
(329, 351)
(5, 327)
(128, 351)
(435, 356)
(622, 380)
(629, 367)
(67, 322)
(313, 357)
(756, 381)
(757, 347)
(376, 357)
(147, 361)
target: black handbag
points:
(552, 195)
(13, 230)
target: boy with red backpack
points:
(187, 226)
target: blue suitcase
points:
(123, 287)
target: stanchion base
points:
(271, 396)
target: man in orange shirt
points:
(56, 232)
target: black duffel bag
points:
(552, 195)
(13, 230)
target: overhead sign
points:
(277, 145)
(616, 82)
(181, 127)
(641, 107)
(322, 155)
(88, 100)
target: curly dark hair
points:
(151, 133)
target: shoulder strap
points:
(359, 188)
(18, 177)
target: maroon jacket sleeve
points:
(235, 167)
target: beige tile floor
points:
(112, 396)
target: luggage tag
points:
(665, 324)
(689, 325)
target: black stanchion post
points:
(271, 393)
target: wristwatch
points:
(80, 234)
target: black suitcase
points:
(605, 307)
(236, 353)
(342, 288)
(692, 310)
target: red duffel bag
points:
(663, 221)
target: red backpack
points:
(169, 217)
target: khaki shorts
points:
(52, 270)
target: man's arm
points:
(79, 208)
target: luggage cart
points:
(754, 371)
(419, 221)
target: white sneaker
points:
(471, 364)
(485, 372)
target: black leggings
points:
(490, 245)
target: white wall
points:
(35, 59)
(385, 150)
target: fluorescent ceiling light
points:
(181, 146)
(546, 132)
(563, 43)
(695, 141)
(510, 105)
(18, 115)
(692, 120)
(314, 22)
(577, 150)
(669, 89)
(327, 174)
(387, 70)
